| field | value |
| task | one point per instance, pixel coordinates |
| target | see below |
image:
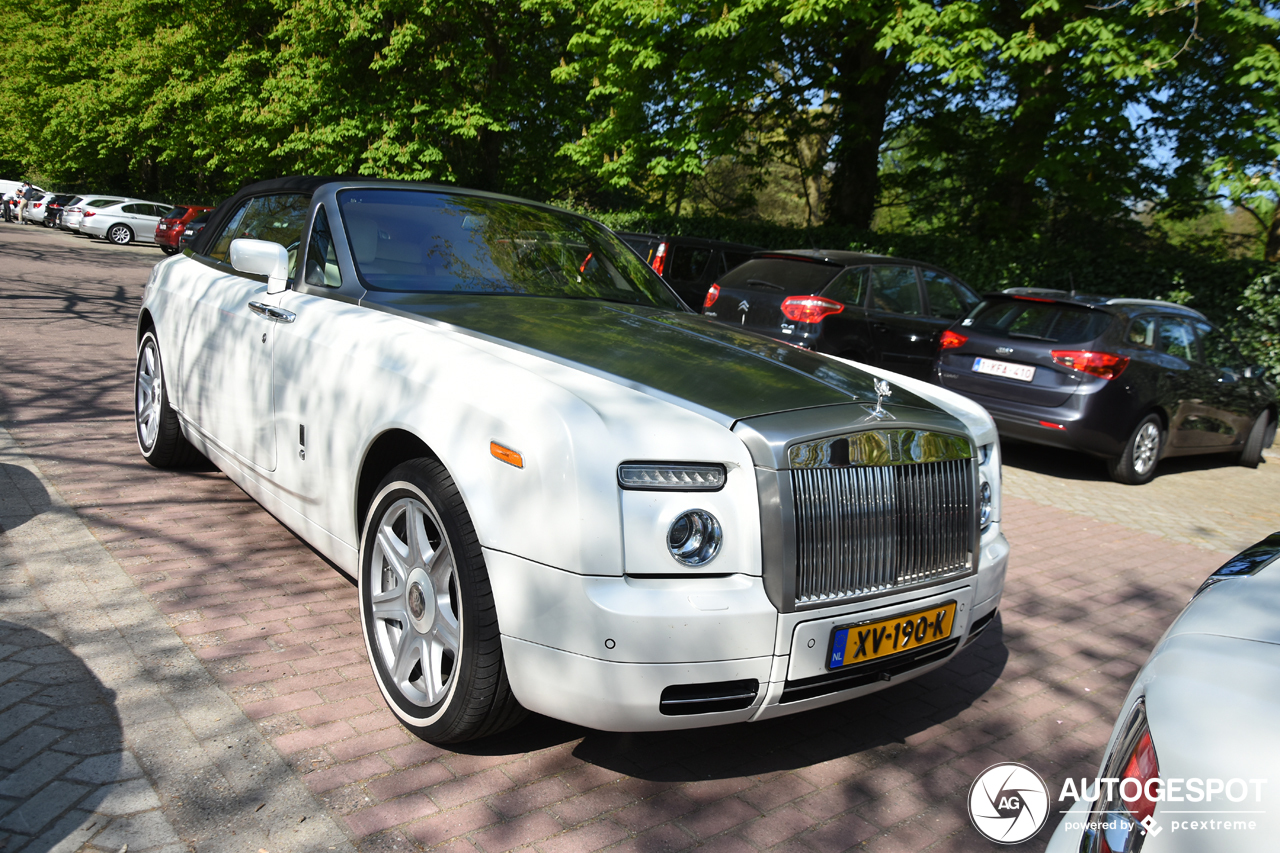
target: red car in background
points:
(169, 229)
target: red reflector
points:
(809, 309)
(712, 295)
(660, 258)
(1103, 364)
(951, 340)
(1051, 426)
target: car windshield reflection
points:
(428, 242)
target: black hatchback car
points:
(1128, 380)
(878, 310)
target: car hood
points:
(685, 358)
(1246, 608)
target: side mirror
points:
(262, 257)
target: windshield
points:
(1056, 322)
(419, 241)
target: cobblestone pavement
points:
(1206, 501)
(276, 627)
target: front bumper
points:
(649, 654)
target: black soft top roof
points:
(300, 184)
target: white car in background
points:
(1199, 731)
(123, 222)
(558, 489)
(74, 212)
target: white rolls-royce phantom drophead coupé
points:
(558, 489)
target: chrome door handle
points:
(271, 312)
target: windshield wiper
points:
(1030, 337)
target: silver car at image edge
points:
(1202, 717)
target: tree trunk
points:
(1272, 250)
(1015, 193)
(863, 83)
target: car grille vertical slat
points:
(864, 529)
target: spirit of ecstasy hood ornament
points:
(882, 390)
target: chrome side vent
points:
(865, 529)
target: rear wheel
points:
(119, 234)
(160, 436)
(430, 625)
(1260, 438)
(1137, 465)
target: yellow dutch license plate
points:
(884, 637)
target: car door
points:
(902, 334)
(315, 420)
(847, 333)
(230, 330)
(1187, 389)
(1231, 398)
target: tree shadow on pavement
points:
(61, 745)
(22, 498)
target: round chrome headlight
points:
(984, 505)
(694, 538)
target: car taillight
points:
(809, 309)
(1103, 364)
(951, 340)
(89, 213)
(1128, 789)
(712, 295)
(1142, 767)
(660, 258)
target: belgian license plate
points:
(1021, 372)
(870, 640)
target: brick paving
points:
(277, 627)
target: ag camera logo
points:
(1008, 803)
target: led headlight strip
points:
(671, 476)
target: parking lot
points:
(243, 701)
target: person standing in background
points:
(25, 197)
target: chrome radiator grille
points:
(869, 528)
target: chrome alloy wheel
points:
(1146, 446)
(416, 630)
(147, 394)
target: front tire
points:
(426, 606)
(119, 234)
(1137, 465)
(1260, 438)
(155, 423)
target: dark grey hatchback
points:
(1129, 380)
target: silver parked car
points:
(124, 222)
(75, 210)
(1191, 762)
